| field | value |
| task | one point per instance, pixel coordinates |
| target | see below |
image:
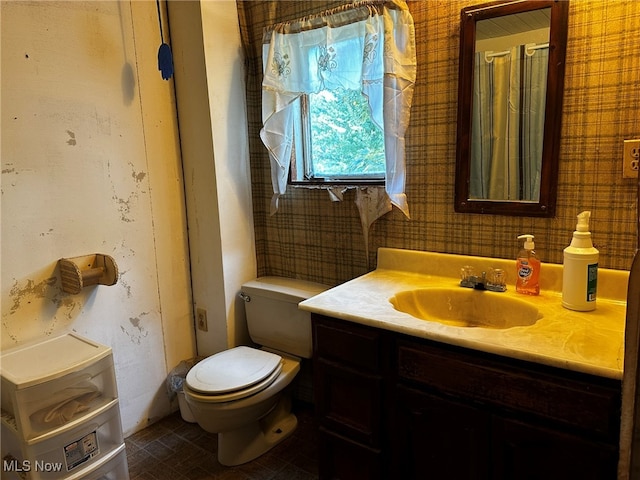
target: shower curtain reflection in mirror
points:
(507, 133)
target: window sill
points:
(338, 183)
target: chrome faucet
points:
(495, 281)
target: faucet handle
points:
(497, 280)
(466, 273)
(468, 277)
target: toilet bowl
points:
(241, 393)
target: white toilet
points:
(238, 393)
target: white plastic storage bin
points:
(54, 382)
(112, 467)
(74, 447)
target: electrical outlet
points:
(631, 159)
(201, 319)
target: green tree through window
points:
(344, 141)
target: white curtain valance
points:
(368, 46)
(325, 58)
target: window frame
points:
(301, 157)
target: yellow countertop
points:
(589, 342)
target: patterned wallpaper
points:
(316, 239)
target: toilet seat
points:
(234, 374)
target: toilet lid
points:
(236, 369)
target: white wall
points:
(91, 163)
(212, 113)
(228, 112)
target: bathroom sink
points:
(462, 307)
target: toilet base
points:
(248, 443)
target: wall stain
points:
(10, 169)
(21, 296)
(65, 302)
(124, 253)
(123, 282)
(72, 138)
(31, 290)
(137, 176)
(124, 207)
(123, 204)
(7, 332)
(139, 332)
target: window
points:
(336, 139)
(333, 84)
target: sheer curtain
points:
(364, 45)
(508, 123)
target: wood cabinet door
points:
(436, 438)
(527, 452)
(343, 459)
(349, 402)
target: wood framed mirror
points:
(510, 90)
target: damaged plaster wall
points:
(212, 111)
(91, 164)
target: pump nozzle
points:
(528, 243)
(583, 221)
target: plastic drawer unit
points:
(111, 467)
(60, 412)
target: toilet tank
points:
(273, 317)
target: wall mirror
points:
(511, 80)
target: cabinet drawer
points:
(42, 399)
(351, 344)
(37, 410)
(585, 402)
(112, 467)
(77, 446)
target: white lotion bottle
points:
(580, 269)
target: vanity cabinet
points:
(413, 408)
